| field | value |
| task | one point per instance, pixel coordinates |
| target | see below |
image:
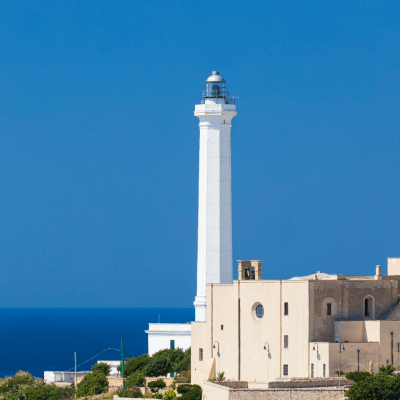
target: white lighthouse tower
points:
(214, 252)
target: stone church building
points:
(262, 330)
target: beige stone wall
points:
(347, 299)
(213, 391)
(239, 346)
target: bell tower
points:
(214, 251)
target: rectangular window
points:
(200, 354)
(286, 308)
(312, 370)
(172, 344)
(329, 309)
(285, 370)
(286, 341)
(366, 313)
(324, 370)
(222, 327)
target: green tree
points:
(357, 376)
(91, 384)
(376, 387)
(46, 392)
(157, 385)
(136, 379)
(194, 394)
(103, 368)
(386, 369)
(135, 364)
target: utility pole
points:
(75, 374)
(123, 376)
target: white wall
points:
(160, 336)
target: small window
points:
(285, 370)
(286, 308)
(366, 310)
(324, 370)
(200, 354)
(286, 341)
(312, 370)
(222, 327)
(259, 311)
(172, 344)
(329, 309)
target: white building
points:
(214, 251)
(168, 336)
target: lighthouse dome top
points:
(216, 78)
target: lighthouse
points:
(214, 250)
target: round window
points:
(259, 311)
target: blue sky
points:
(99, 145)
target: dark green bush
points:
(357, 376)
(103, 368)
(193, 394)
(91, 384)
(376, 387)
(46, 392)
(186, 388)
(135, 364)
(136, 379)
(157, 385)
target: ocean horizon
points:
(45, 339)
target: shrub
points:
(47, 392)
(133, 393)
(183, 377)
(66, 392)
(169, 395)
(21, 378)
(193, 394)
(184, 388)
(379, 386)
(135, 364)
(357, 376)
(103, 368)
(157, 385)
(94, 383)
(136, 379)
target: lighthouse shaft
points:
(214, 259)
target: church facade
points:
(261, 330)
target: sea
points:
(45, 339)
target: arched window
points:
(328, 307)
(369, 307)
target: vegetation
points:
(169, 395)
(161, 363)
(132, 393)
(383, 385)
(156, 385)
(91, 384)
(183, 377)
(195, 393)
(23, 387)
(219, 378)
(357, 376)
(135, 379)
(182, 389)
(102, 368)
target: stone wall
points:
(292, 394)
(218, 391)
(309, 383)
